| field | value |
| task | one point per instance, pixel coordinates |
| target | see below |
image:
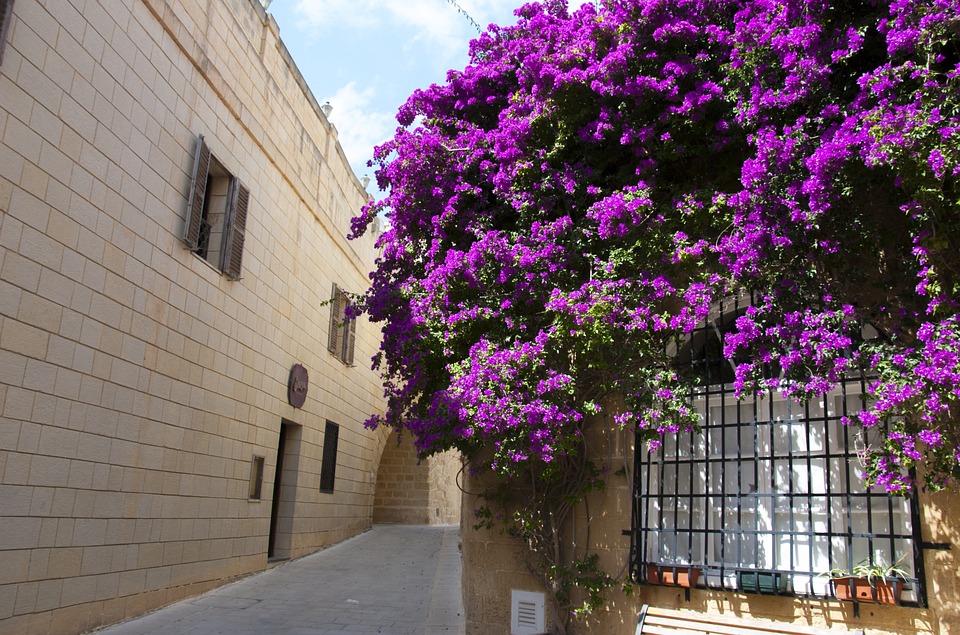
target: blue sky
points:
(367, 56)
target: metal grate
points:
(526, 612)
(767, 497)
(203, 238)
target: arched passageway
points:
(416, 492)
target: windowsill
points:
(206, 262)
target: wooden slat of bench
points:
(659, 630)
(662, 626)
(659, 621)
(717, 625)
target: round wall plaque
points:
(297, 386)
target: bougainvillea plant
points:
(595, 180)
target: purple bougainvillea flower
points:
(593, 183)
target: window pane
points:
(256, 477)
(328, 467)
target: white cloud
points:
(359, 128)
(430, 20)
(487, 11)
(436, 21)
(322, 14)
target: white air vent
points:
(526, 612)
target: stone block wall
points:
(411, 491)
(137, 382)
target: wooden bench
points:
(656, 621)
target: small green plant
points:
(876, 570)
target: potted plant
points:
(682, 575)
(869, 582)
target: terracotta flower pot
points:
(673, 575)
(881, 591)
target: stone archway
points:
(414, 492)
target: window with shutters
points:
(216, 213)
(343, 329)
(328, 466)
(6, 14)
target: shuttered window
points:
(343, 330)
(216, 213)
(6, 14)
(328, 466)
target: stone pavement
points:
(393, 579)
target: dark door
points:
(277, 491)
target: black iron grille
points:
(767, 496)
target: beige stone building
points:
(180, 402)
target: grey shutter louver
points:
(336, 312)
(351, 328)
(6, 14)
(233, 253)
(198, 192)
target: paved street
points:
(394, 579)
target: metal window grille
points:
(767, 496)
(203, 240)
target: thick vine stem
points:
(539, 508)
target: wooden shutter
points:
(237, 217)
(351, 341)
(198, 192)
(336, 317)
(6, 15)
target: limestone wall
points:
(410, 491)
(137, 382)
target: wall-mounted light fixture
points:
(326, 109)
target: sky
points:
(367, 56)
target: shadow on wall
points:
(941, 530)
